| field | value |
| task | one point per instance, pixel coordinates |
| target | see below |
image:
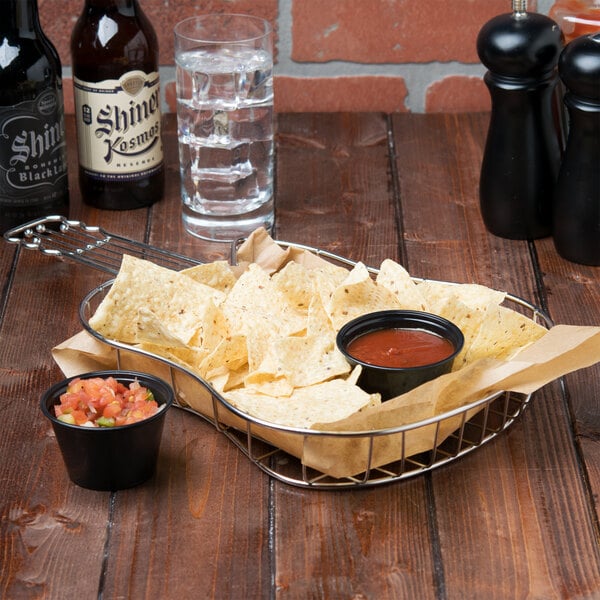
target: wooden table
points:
(517, 518)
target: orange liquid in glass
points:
(576, 17)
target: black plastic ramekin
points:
(394, 381)
(110, 458)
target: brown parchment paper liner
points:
(564, 349)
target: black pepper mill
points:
(522, 152)
(577, 198)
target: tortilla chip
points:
(357, 295)
(230, 354)
(275, 385)
(213, 329)
(190, 358)
(295, 284)
(318, 322)
(152, 330)
(326, 281)
(469, 320)
(503, 333)
(396, 279)
(302, 361)
(175, 300)
(265, 339)
(329, 401)
(437, 293)
(254, 300)
(218, 275)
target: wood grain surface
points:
(518, 518)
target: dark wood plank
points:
(372, 543)
(190, 503)
(497, 510)
(335, 191)
(438, 161)
(204, 517)
(516, 518)
(574, 298)
(45, 519)
(200, 530)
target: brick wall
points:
(338, 55)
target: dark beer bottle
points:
(114, 53)
(33, 159)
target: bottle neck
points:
(124, 7)
(20, 15)
(112, 4)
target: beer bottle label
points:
(118, 126)
(33, 151)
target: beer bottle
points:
(33, 159)
(114, 53)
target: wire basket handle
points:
(57, 236)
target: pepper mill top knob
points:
(520, 44)
(579, 67)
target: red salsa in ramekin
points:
(400, 348)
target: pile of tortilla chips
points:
(265, 338)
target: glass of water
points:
(225, 124)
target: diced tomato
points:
(112, 410)
(105, 402)
(80, 417)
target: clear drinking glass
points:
(225, 124)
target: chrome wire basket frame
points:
(494, 414)
(473, 424)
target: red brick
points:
(361, 31)
(332, 94)
(58, 19)
(164, 21)
(329, 94)
(68, 95)
(170, 94)
(389, 31)
(457, 94)
(364, 31)
(387, 94)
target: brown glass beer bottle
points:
(33, 157)
(114, 53)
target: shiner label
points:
(118, 125)
(33, 160)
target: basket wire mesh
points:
(477, 423)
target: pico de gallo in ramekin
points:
(99, 402)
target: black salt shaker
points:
(523, 147)
(577, 198)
